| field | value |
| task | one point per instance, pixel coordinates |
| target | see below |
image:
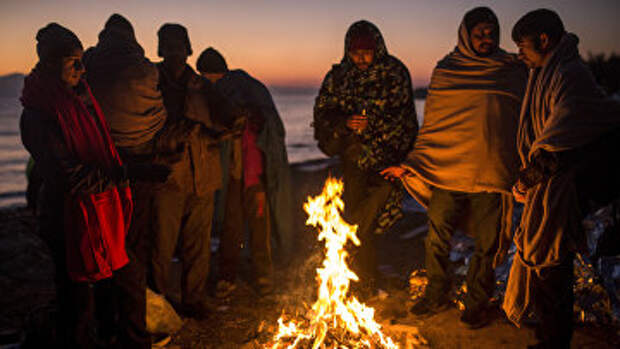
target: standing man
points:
(183, 206)
(257, 175)
(365, 114)
(124, 82)
(464, 161)
(568, 136)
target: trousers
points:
(482, 214)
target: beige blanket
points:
(125, 84)
(467, 141)
(563, 109)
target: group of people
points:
(131, 155)
(140, 161)
(491, 135)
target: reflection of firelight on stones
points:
(336, 319)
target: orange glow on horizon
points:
(288, 43)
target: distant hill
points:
(11, 85)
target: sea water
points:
(294, 106)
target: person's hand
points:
(394, 172)
(519, 190)
(357, 123)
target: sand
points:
(245, 320)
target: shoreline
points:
(316, 164)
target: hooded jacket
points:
(383, 92)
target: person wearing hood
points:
(365, 114)
(256, 176)
(567, 141)
(183, 206)
(86, 205)
(465, 161)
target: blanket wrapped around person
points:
(125, 83)
(251, 94)
(563, 112)
(466, 142)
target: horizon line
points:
(275, 85)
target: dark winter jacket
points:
(62, 173)
(383, 92)
(188, 141)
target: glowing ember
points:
(460, 295)
(417, 284)
(335, 320)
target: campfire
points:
(336, 319)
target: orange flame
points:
(333, 309)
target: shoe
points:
(428, 307)
(475, 318)
(224, 289)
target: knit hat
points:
(211, 61)
(480, 15)
(55, 41)
(173, 37)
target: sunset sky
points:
(294, 42)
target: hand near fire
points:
(357, 123)
(393, 173)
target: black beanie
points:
(55, 41)
(175, 34)
(480, 15)
(211, 61)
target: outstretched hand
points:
(393, 173)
